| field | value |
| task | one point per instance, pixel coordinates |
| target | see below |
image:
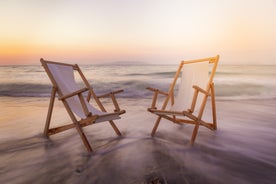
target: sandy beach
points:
(242, 150)
(191, 51)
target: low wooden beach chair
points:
(81, 112)
(195, 87)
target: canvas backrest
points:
(192, 74)
(63, 76)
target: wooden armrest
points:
(200, 90)
(113, 98)
(157, 90)
(155, 96)
(110, 93)
(73, 93)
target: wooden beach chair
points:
(82, 113)
(195, 87)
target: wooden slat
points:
(201, 90)
(154, 99)
(116, 105)
(56, 63)
(83, 105)
(73, 93)
(110, 93)
(62, 128)
(210, 59)
(194, 101)
(157, 90)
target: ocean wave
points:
(160, 74)
(231, 82)
(137, 89)
(25, 90)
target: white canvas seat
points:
(81, 112)
(195, 87)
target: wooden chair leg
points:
(50, 111)
(115, 128)
(213, 107)
(83, 137)
(78, 127)
(155, 126)
(194, 133)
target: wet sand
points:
(242, 150)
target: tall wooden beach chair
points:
(194, 88)
(72, 94)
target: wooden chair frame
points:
(91, 118)
(173, 116)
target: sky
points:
(151, 31)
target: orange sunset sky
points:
(153, 31)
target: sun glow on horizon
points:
(148, 31)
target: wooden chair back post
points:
(214, 61)
(50, 111)
(172, 86)
(52, 99)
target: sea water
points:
(242, 150)
(231, 81)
